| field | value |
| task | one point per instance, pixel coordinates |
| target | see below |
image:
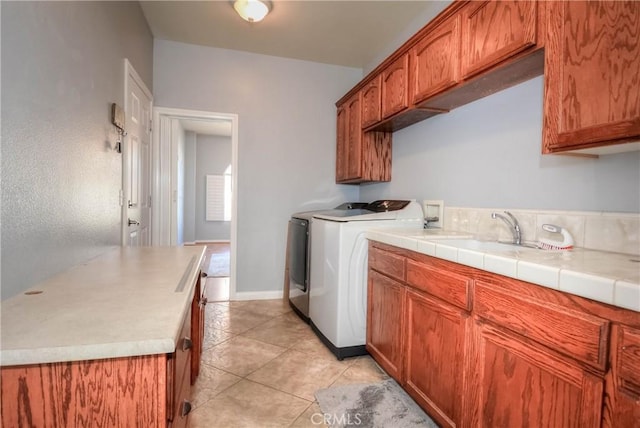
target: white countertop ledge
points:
(126, 302)
(612, 278)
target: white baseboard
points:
(213, 241)
(257, 295)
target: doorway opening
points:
(195, 179)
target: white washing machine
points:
(338, 277)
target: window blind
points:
(215, 198)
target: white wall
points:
(213, 157)
(62, 67)
(488, 154)
(286, 150)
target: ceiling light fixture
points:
(251, 10)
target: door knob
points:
(133, 222)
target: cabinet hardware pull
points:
(203, 301)
(187, 344)
(186, 408)
(203, 274)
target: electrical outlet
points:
(433, 213)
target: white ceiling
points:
(341, 32)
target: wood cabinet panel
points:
(519, 384)
(376, 156)
(371, 102)
(342, 154)
(435, 356)
(197, 327)
(113, 392)
(578, 335)
(587, 42)
(628, 358)
(395, 86)
(443, 283)
(493, 31)
(435, 61)
(179, 369)
(622, 389)
(385, 317)
(354, 139)
(388, 263)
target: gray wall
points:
(488, 154)
(62, 67)
(213, 155)
(286, 150)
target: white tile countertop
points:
(607, 277)
(129, 301)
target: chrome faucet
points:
(513, 225)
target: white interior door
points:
(136, 218)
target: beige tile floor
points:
(261, 366)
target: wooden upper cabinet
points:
(592, 64)
(371, 95)
(394, 87)
(493, 31)
(360, 156)
(435, 61)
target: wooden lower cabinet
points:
(476, 349)
(517, 384)
(434, 355)
(385, 323)
(138, 391)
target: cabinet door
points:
(592, 64)
(394, 87)
(434, 352)
(354, 138)
(385, 310)
(371, 95)
(341, 144)
(515, 383)
(493, 31)
(622, 406)
(435, 61)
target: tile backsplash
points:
(617, 232)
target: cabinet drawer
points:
(448, 286)
(628, 362)
(578, 335)
(387, 263)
